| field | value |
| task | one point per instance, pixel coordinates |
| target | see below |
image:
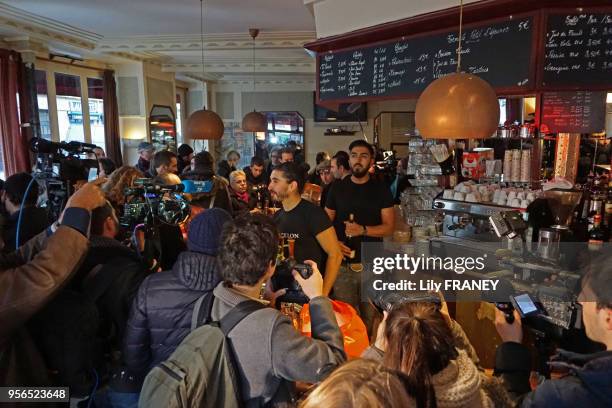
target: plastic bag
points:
(352, 327)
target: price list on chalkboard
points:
(573, 112)
(499, 53)
(578, 50)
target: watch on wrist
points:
(365, 231)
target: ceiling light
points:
(457, 106)
(204, 124)
(254, 121)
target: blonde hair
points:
(118, 181)
(236, 173)
(360, 384)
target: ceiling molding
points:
(45, 28)
(275, 40)
(304, 66)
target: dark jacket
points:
(240, 207)
(225, 169)
(124, 272)
(161, 313)
(144, 166)
(271, 354)
(220, 190)
(33, 222)
(588, 384)
(252, 180)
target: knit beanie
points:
(205, 231)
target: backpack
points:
(201, 372)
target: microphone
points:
(196, 186)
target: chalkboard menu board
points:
(574, 112)
(578, 50)
(499, 53)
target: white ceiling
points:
(119, 18)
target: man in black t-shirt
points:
(371, 204)
(315, 238)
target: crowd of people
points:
(81, 308)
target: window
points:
(70, 103)
(179, 125)
(69, 108)
(95, 93)
(43, 104)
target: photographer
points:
(305, 222)
(589, 382)
(202, 170)
(33, 219)
(34, 274)
(269, 352)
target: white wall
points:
(335, 17)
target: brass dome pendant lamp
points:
(458, 105)
(254, 121)
(204, 124)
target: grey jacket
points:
(271, 354)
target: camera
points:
(283, 279)
(58, 167)
(151, 203)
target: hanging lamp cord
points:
(202, 41)
(254, 85)
(460, 35)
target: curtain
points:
(111, 119)
(13, 137)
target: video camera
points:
(62, 160)
(58, 167)
(152, 203)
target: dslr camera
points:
(283, 279)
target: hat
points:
(145, 146)
(325, 164)
(184, 150)
(204, 234)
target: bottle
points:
(280, 255)
(350, 241)
(597, 235)
(608, 208)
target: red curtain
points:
(111, 119)
(13, 138)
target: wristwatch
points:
(365, 231)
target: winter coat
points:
(161, 313)
(271, 354)
(588, 384)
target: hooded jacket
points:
(161, 313)
(588, 383)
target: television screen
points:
(322, 114)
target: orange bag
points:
(352, 327)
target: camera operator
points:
(163, 163)
(202, 170)
(33, 219)
(305, 222)
(29, 278)
(589, 382)
(270, 353)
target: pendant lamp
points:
(254, 121)
(204, 124)
(457, 106)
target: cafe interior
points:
(486, 107)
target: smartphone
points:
(93, 174)
(526, 305)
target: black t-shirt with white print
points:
(303, 223)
